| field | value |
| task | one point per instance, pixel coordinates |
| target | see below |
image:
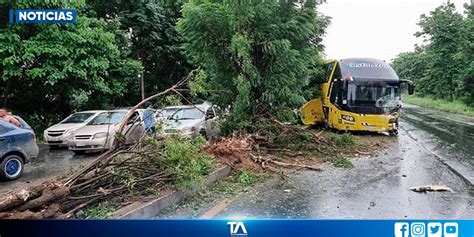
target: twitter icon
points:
(434, 229)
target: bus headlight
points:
(348, 118)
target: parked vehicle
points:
(192, 120)
(99, 133)
(17, 147)
(57, 134)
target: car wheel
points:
(12, 167)
(79, 152)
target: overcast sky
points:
(375, 28)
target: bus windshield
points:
(371, 93)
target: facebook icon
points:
(401, 229)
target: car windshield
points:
(77, 118)
(166, 113)
(187, 113)
(380, 94)
(108, 118)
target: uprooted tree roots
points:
(255, 151)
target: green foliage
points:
(246, 177)
(186, 161)
(229, 187)
(257, 55)
(342, 140)
(444, 67)
(155, 40)
(178, 161)
(101, 210)
(340, 161)
(93, 64)
(465, 57)
(49, 70)
(457, 107)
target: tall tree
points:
(255, 55)
(412, 66)
(465, 57)
(155, 41)
(60, 68)
(442, 30)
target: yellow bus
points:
(358, 94)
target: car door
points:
(3, 139)
(211, 125)
(134, 128)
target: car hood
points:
(93, 129)
(180, 124)
(65, 126)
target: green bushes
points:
(344, 140)
(186, 161)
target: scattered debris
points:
(238, 151)
(119, 171)
(431, 188)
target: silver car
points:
(57, 134)
(99, 133)
(190, 121)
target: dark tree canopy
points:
(256, 56)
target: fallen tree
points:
(259, 150)
(115, 172)
(152, 165)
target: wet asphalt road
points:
(378, 187)
(48, 164)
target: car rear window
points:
(23, 123)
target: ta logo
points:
(237, 229)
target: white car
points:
(191, 120)
(99, 133)
(57, 134)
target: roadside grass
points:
(240, 181)
(456, 107)
(340, 161)
(346, 140)
(100, 210)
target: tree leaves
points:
(443, 67)
(262, 52)
(60, 68)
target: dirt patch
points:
(289, 146)
(235, 152)
(251, 152)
